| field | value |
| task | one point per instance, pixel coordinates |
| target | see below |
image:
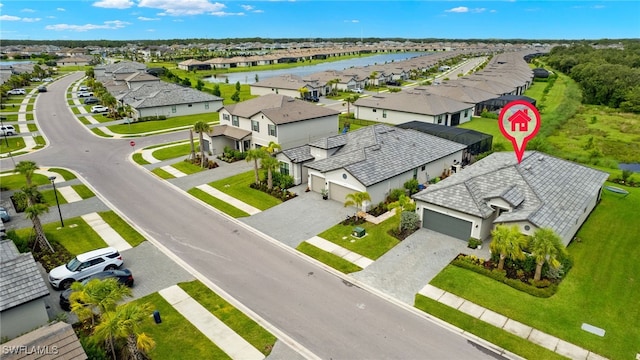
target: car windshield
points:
(3, 212)
(73, 264)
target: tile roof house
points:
(22, 292)
(282, 119)
(288, 85)
(162, 98)
(541, 192)
(375, 159)
(410, 105)
(57, 340)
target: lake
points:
(249, 77)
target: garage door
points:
(445, 224)
(317, 183)
(339, 192)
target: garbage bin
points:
(156, 317)
(358, 231)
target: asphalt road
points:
(315, 308)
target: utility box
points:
(156, 317)
(358, 231)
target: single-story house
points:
(192, 64)
(375, 159)
(284, 120)
(467, 94)
(77, 61)
(166, 99)
(540, 192)
(22, 292)
(56, 340)
(403, 106)
(288, 85)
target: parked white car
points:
(99, 109)
(7, 130)
(17, 92)
(84, 93)
(83, 88)
(85, 265)
(357, 90)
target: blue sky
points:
(173, 19)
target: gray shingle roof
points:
(164, 94)
(298, 154)
(549, 192)
(379, 152)
(280, 109)
(20, 279)
(417, 102)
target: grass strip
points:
(217, 203)
(329, 259)
(133, 237)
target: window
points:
(190, 105)
(374, 110)
(173, 109)
(255, 125)
(384, 113)
(439, 119)
(284, 168)
(272, 130)
(466, 113)
(234, 121)
(226, 117)
(206, 105)
(423, 167)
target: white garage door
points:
(317, 183)
(339, 192)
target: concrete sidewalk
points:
(218, 332)
(106, 232)
(514, 327)
(338, 250)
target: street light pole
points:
(52, 178)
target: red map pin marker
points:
(519, 122)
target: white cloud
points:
(142, 18)
(459, 9)
(464, 9)
(355, 21)
(114, 4)
(247, 7)
(184, 7)
(151, 30)
(28, 10)
(9, 18)
(114, 24)
(17, 18)
(61, 9)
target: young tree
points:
(403, 204)
(350, 100)
(255, 155)
(238, 86)
(201, 127)
(270, 164)
(546, 246)
(192, 154)
(508, 242)
(26, 168)
(216, 90)
(357, 199)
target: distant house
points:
(375, 159)
(55, 340)
(540, 192)
(192, 64)
(76, 60)
(282, 119)
(288, 85)
(22, 292)
(398, 108)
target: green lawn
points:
(162, 174)
(237, 186)
(601, 289)
(175, 151)
(83, 191)
(66, 174)
(15, 144)
(17, 181)
(137, 157)
(133, 237)
(217, 203)
(50, 197)
(157, 125)
(176, 337)
(373, 245)
(76, 235)
(187, 167)
(332, 260)
(497, 336)
(237, 321)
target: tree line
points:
(607, 76)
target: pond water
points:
(635, 167)
(248, 77)
(13, 62)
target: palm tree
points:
(26, 168)
(273, 147)
(404, 203)
(201, 127)
(193, 146)
(508, 242)
(357, 199)
(270, 164)
(33, 213)
(546, 246)
(125, 323)
(350, 100)
(96, 297)
(255, 155)
(303, 92)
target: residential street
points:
(302, 303)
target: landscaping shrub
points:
(378, 210)
(412, 186)
(280, 180)
(394, 195)
(277, 192)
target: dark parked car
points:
(123, 276)
(4, 214)
(313, 99)
(394, 83)
(91, 100)
(42, 88)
